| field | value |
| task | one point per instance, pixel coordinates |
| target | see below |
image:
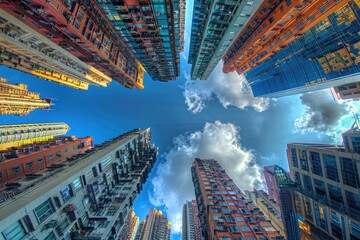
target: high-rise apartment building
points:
(272, 184)
(191, 229)
(69, 42)
(291, 47)
(182, 15)
(16, 99)
(215, 25)
(224, 210)
(328, 200)
(155, 227)
(130, 226)
(31, 160)
(346, 91)
(269, 207)
(90, 198)
(151, 30)
(15, 135)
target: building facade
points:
(32, 160)
(281, 52)
(75, 42)
(191, 229)
(269, 207)
(215, 25)
(224, 210)
(328, 200)
(151, 30)
(347, 91)
(90, 198)
(155, 227)
(130, 226)
(16, 99)
(15, 135)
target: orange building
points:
(80, 28)
(274, 25)
(27, 161)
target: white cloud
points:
(230, 89)
(173, 184)
(324, 115)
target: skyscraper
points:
(215, 25)
(297, 46)
(328, 199)
(151, 30)
(191, 229)
(89, 199)
(271, 184)
(346, 91)
(70, 42)
(36, 159)
(182, 7)
(130, 226)
(16, 99)
(224, 210)
(155, 227)
(15, 135)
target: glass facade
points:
(315, 163)
(349, 172)
(330, 166)
(327, 51)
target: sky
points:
(217, 119)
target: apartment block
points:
(15, 99)
(224, 210)
(130, 226)
(297, 46)
(269, 207)
(215, 25)
(328, 200)
(346, 91)
(151, 30)
(74, 41)
(191, 228)
(15, 135)
(32, 160)
(89, 198)
(155, 227)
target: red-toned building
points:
(85, 32)
(29, 160)
(224, 210)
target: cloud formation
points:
(230, 89)
(321, 113)
(221, 141)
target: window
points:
(225, 210)
(14, 232)
(77, 184)
(307, 183)
(229, 219)
(15, 169)
(315, 163)
(319, 188)
(353, 200)
(234, 229)
(30, 164)
(304, 161)
(40, 159)
(349, 172)
(244, 211)
(294, 157)
(50, 156)
(271, 19)
(335, 194)
(225, 238)
(44, 210)
(269, 229)
(331, 169)
(51, 236)
(0, 174)
(66, 194)
(256, 229)
(80, 16)
(245, 228)
(288, 2)
(222, 203)
(239, 219)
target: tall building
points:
(346, 91)
(90, 198)
(16, 99)
(297, 46)
(155, 227)
(269, 207)
(69, 42)
(31, 160)
(272, 184)
(15, 135)
(215, 25)
(151, 30)
(328, 199)
(182, 14)
(191, 229)
(130, 226)
(224, 210)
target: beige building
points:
(155, 227)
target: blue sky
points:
(217, 118)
